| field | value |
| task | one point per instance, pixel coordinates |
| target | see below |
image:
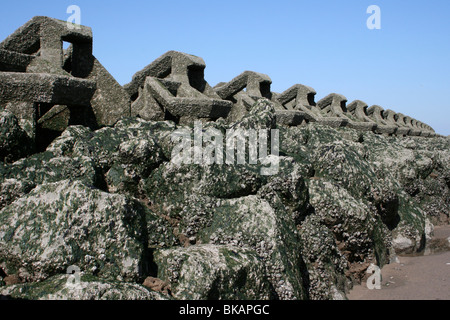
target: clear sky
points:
(325, 44)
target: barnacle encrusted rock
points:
(89, 288)
(67, 223)
(215, 272)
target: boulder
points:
(89, 288)
(14, 141)
(213, 272)
(67, 223)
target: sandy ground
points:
(425, 277)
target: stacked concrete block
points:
(414, 130)
(390, 118)
(301, 98)
(14, 61)
(331, 109)
(45, 88)
(51, 88)
(358, 110)
(173, 88)
(335, 105)
(243, 91)
(375, 112)
(299, 101)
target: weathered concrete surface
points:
(375, 112)
(46, 104)
(45, 35)
(300, 98)
(254, 82)
(331, 108)
(173, 87)
(110, 102)
(13, 61)
(414, 130)
(45, 88)
(358, 110)
(187, 107)
(257, 85)
(389, 116)
(290, 117)
(297, 96)
(37, 48)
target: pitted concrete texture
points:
(14, 61)
(357, 110)
(186, 106)
(37, 48)
(257, 86)
(414, 131)
(389, 117)
(332, 106)
(289, 117)
(45, 35)
(297, 97)
(173, 87)
(375, 112)
(336, 105)
(45, 88)
(301, 97)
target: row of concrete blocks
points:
(52, 88)
(334, 111)
(175, 83)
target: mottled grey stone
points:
(37, 48)
(68, 223)
(358, 109)
(14, 61)
(173, 87)
(222, 272)
(14, 141)
(61, 287)
(257, 86)
(389, 116)
(375, 112)
(45, 88)
(290, 117)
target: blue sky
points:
(325, 44)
